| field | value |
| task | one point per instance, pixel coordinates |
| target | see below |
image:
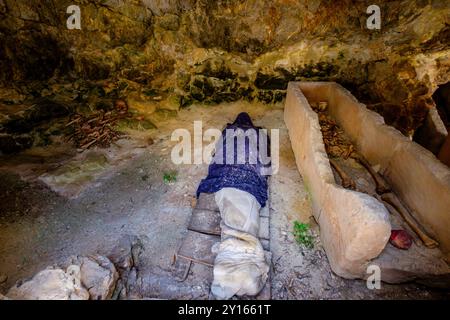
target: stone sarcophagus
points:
(355, 227)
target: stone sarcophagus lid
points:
(354, 226)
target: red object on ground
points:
(400, 239)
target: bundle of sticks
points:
(338, 146)
(97, 129)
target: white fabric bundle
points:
(240, 267)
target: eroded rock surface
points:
(208, 51)
(51, 284)
(92, 277)
(98, 275)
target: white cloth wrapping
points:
(239, 210)
(240, 267)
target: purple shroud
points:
(246, 176)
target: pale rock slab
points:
(51, 284)
(93, 277)
(99, 275)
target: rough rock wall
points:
(213, 51)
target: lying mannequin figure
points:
(237, 177)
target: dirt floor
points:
(40, 227)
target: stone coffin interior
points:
(355, 227)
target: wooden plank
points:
(197, 247)
(205, 221)
(204, 232)
(207, 201)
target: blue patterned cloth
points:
(247, 176)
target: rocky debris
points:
(86, 277)
(98, 275)
(138, 281)
(51, 284)
(125, 256)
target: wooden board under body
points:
(197, 247)
(205, 221)
(208, 221)
(204, 232)
(207, 201)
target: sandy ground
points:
(39, 228)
